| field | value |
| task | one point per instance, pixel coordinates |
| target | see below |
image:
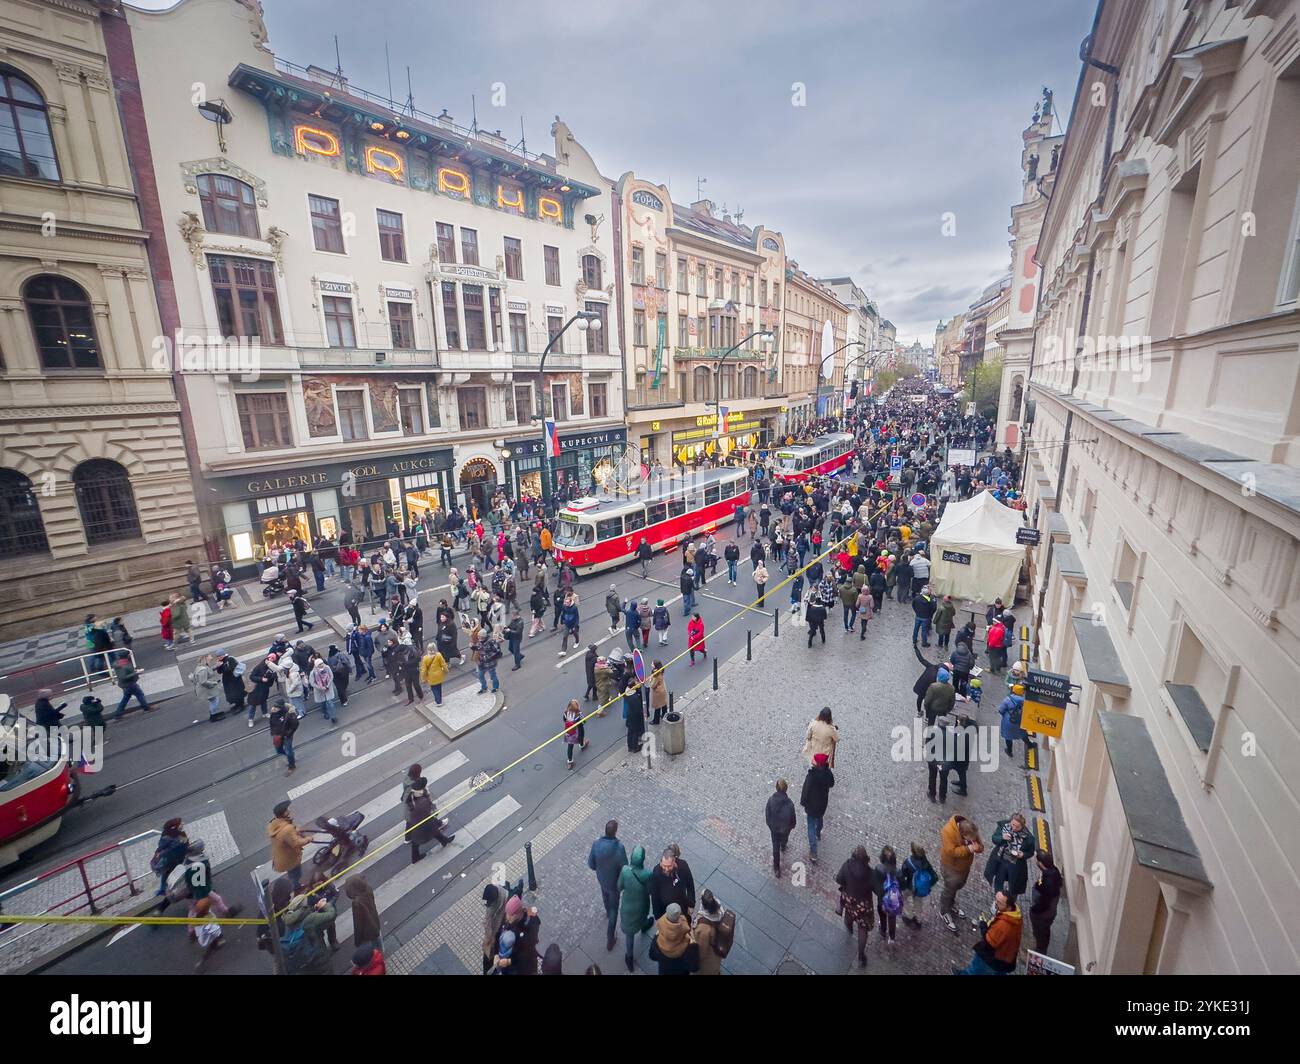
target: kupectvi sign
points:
(577, 442)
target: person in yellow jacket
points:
(547, 541)
(433, 671)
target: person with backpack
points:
(571, 620)
(206, 685)
(889, 894)
(489, 653)
(170, 852)
(128, 679)
(408, 665)
(916, 878)
(283, 723)
(673, 947)
(323, 692)
(713, 931)
(855, 882)
(422, 822)
(299, 603)
(661, 620)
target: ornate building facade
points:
(696, 283)
(364, 291)
(95, 494)
(1162, 471)
(816, 328)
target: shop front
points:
(266, 509)
(584, 464)
(693, 445)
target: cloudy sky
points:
(913, 108)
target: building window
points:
(469, 246)
(1126, 575)
(339, 330)
(401, 326)
(749, 383)
(352, 413)
(494, 310)
(551, 258)
(411, 405)
(106, 502)
(229, 205)
(559, 402)
(749, 289)
(597, 342)
(682, 281)
(264, 420)
(638, 266)
(26, 146)
(326, 224)
(591, 271)
(701, 280)
(717, 283)
(63, 323)
(451, 314)
(446, 242)
(392, 237)
(735, 287)
(703, 384)
(523, 403)
(776, 295)
(638, 328)
(598, 399)
(554, 323)
(763, 294)
(21, 529)
(247, 303)
(661, 270)
(727, 386)
(475, 326)
(1085, 515)
(519, 332)
(1288, 291)
(472, 403)
(1198, 683)
(514, 259)
(683, 331)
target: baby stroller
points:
(272, 584)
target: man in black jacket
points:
(815, 798)
(644, 553)
(671, 881)
(781, 819)
(732, 555)
(815, 614)
(1047, 893)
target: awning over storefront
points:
(1162, 842)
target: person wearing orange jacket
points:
(999, 945)
(960, 842)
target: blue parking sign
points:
(895, 463)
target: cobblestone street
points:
(710, 801)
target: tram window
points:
(24, 772)
(655, 513)
(676, 507)
(694, 500)
(712, 494)
(635, 520)
(572, 533)
(610, 528)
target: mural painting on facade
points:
(574, 380)
(318, 398)
(383, 406)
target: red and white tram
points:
(34, 794)
(824, 456)
(593, 534)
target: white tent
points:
(974, 554)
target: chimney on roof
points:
(703, 206)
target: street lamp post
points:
(586, 319)
(820, 368)
(767, 340)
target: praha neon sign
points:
(312, 140)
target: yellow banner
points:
(1042, 719)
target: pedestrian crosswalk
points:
(246, 633)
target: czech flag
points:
(552, 440)
(721, 428)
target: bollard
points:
(532, 872)
(749, 645)
(670, 701)
(715, 673)
(776, 621)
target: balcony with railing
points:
(644, 396)
(712, 354)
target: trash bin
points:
(673, 740)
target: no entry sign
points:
(918, 500)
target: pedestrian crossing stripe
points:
(1043, 835)
(1035, 794)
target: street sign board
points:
(638, 666)
(970, 409)
(1041, 964)
(956, 557)
(895, 463)
(1046, 696)
(1030, 537)
(961, 456)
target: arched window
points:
(63, 323)
(727, 386)
(703, 380)
(21, 529)
(591, 271)
(26, 147)
(229, 205)
(106, 501)
(750, 383)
